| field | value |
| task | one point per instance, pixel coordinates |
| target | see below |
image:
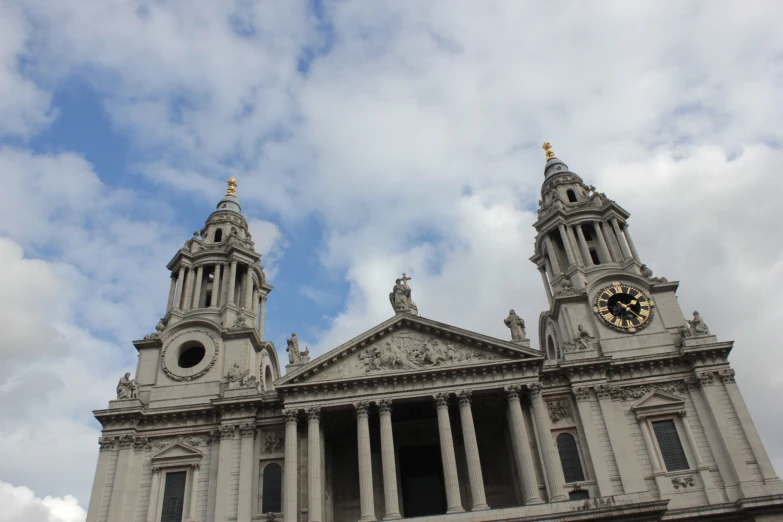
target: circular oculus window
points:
(189, 355)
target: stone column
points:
(232, 278)
(249, 292)
(224, 298)
(520, 444)
(255, 306)
(366, 498)
(743, 415)
(314, 494)
(567, 245)
(246, 461)
(628, 239)
(612, 242)
(618, 234)
(552, 253)
(194, 493)
(625, 454)
(542, 270)
(188, 294)
(152, 505)
(583, 245)
(261, 316)
(574, 246)
(216, 287)
(478, 496)
(450, 478)
(713, 495)
(197, 292)
(593, 442)
(242, 298)
(180, 285)
(225, 458)
(553, 470)
(602, 248)
(390, 495)
(290, 473)
(172, 291)
(106, 445)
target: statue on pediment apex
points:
(400, 297)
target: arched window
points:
(218, 235)
(272, 490)
(571, 195)
(569, 458)
(268, 378)
(550, 348)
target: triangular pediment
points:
(658, 402)
(177, 451)
(407, 343)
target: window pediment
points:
(177, 454)
(658, 403)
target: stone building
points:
(625, 410)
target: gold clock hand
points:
(629, 309)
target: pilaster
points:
(600, 468)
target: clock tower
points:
(603, 300)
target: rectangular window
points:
(173, 497)
(669, 443)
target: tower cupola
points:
(580, 231)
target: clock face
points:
(623, 307)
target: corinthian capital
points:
(291, 415)
(313, 413)
(512, 392)
(361, 408)
(385, 406)
(464, 397)
(441, 400)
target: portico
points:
(400, 419)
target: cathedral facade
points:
(625, 411)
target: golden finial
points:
(549, 152)
(232, 187)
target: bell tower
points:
(603, 299)
(211, 338)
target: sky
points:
(368, 139)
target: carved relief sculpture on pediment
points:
(405, 351)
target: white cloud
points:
(269, 242)
(21, 505)
(24, 106)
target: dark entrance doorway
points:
(423, 492)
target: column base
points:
(559, 498)
(393, 516)
(454, 510)
(480, 507)
(534, 501)
(368, 518)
